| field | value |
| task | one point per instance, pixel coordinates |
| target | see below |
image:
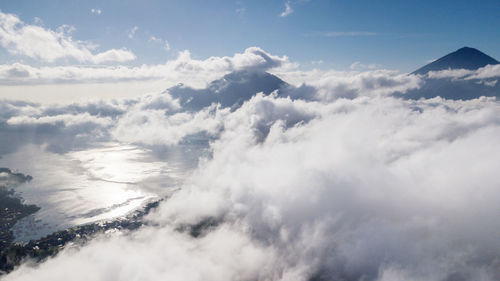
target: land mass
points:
(13, 209)
(13, 254)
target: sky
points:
(401, 35)
(68, 50)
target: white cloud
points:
(331, 85)
(449, 73)
(327, 85)
(37, 21)
(96, 11)
(373, 188)
(224, 254)
(489, 71)
(132, 32)
(288, 10)
(183, 69)
(48, 45)
(66, 119)
(360, 66)
(155, 39)
(114, 55)
(166, 46)
(353, 185)
(486, 72)
(489, 83)
(154, 127)
(340, 180)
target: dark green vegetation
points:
(12, 208)
(13, 254)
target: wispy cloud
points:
(96, 11)
(37, 21)
(132, 31)
(241, 11)
(288, 10)
(155, 39)
(361, 66)
(166, 44)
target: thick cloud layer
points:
(332, 180)
(331, 85)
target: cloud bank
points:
(345, 182)
(489, 71)
(183, 69)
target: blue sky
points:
(401, 35)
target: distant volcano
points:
(464, 58)
(230, 91)
(456, 88)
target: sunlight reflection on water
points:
(86, 186)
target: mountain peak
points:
(463, 58)
(230, 91)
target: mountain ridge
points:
(463, 58)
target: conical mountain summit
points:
(464, 58)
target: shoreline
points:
(15, 253)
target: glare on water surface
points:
(82, 186)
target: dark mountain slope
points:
(464, 58)
(456, 88)
(230, 91)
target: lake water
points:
(95, 184)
